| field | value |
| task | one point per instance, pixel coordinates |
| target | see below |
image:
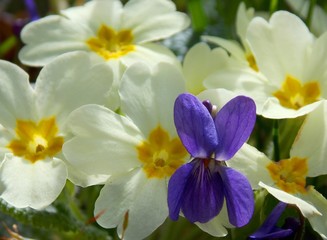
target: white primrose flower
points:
(33, 170)
(293, 63)
(241, 72)
(286, 179)
(107, 30)
(139, 149)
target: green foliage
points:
(57, 218)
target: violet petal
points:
(272, 219)
(269, 230)
(276, 233)
(176, 186)
(239, 196)
(195, 126)
(203, 195)
(234, 124)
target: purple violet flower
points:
(269, 230)
(198, 188)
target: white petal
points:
(217, 226)
(16, 95)
(148, 96)
(157, 20)
(318, 223)
(113, 96)
(218, 97)
(243, 18)
(272, 109)
(242, 81)
(83, 179)
(253, 164)
(133, 192)
(103, 143)
(233, 47)
(151, 54)
(6, 137)
(31, 185)
(307, 209)
(282, 43)
(316, 67)
(319, 17)
(311, 141)
(69, 82)
(196, 71)
(95, 13)
(50, 37)
(213, 227)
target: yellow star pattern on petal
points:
(36, 141)
(290, 174)
(160, 155)
(295, 95)
(111, 44)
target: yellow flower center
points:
(160, 155)
(289, 174)
(295, 95)
(111, 44)
(252, 62)
(36, 141)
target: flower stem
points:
(276, 141)
(273, 6)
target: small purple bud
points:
(208, 105)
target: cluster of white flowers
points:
(101, 109)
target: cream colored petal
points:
(283, 43)
(158, 20)
(35, 185)
(69, 82)
(218, 97)
(316, 68)
(133, 193)
(104, 142)
(50, 37)
(319, 17)
(311, 141)
(217, 226)
(16, 95)
(241, 81)
(95, 13)
(272, 109)
(318, 223)
(253, 164)
(148, 95)
(83, 179)
(233, 47)
(213, 227)
(307, 209)
(196, 71)
(243, 18)
(151, 54)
